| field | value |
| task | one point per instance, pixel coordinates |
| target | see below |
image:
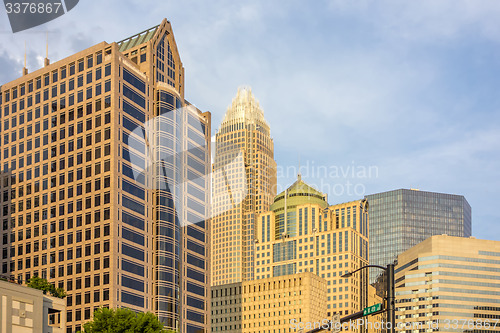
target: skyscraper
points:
(403, 218)
(243, 185)
(302, 233)
(103, 191)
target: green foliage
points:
(43, 285)
(123, 321)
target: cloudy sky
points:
(405, 93)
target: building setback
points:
(244, 185)
(104, 175)
(403, 218)
(449, 284)
(272, 305)
(302, 233)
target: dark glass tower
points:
(176, 142)
(403, 218)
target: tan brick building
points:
(103, 190)
(450, 284)
(271, 305)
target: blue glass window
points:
(132, 267)
(133, 220)
(134, 81)
(132, 236)
(132, 252)
(133, 299)
(133, 96)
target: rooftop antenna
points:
(25, 69)
(299, 176)
(46, 61)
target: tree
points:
(123, 321)
(45, 286)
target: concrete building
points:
(302, 233)
(272, 305)
(403, 218)
(104, 181)
(244, 181)
(449, 284)
(28, 310)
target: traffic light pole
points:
(391, 306)
(391, 309)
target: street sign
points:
(372, 309)
(335, 324)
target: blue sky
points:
(405, 89)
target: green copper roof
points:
(140, 38)
(299, 193)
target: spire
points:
(25, 69)
(245, 108)
(46, 61)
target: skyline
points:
(426, 71)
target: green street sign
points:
(372, 309)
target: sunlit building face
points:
(243, 185)
(104, 182)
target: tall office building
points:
(103, 191)
(449, 284)
(403, 218)
(243, 185)
(302, 233)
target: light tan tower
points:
(301, 232)
(244, 185)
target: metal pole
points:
(391, 311)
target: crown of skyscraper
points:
(245, 108)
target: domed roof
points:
(299, 193)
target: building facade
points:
(272, 305)
(302, 233)
(243, 185)
(449, 284)
(104, 181)
(403, 218)
(28, 310)
(373, 323)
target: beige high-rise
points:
(243, 186)
(449, 284)
(302, 233)
(104, 187)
